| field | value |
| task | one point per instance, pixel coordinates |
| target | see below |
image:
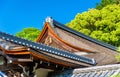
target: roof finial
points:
(49, 19)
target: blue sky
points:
(18, 14)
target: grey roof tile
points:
(110, 73)
(96, 71)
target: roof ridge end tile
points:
(50, 21)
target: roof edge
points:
(98, 68)
(47, 49)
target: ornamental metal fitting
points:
(49, 19)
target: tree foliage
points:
(106, 2)
(117, 75)
(29, 33)
(101, 24)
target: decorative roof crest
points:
(49, 19)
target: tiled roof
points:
(97, 71)
(45, 48)
(54, 23)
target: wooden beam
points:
(9, 67)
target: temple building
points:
(57, 48)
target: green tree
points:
(104, 3)
(29, 33)
(101, 24)
(117, 75)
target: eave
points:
(38, 50)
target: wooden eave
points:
(50, 30)
(41, 57)
(18, 51)
(44, 56)
(40, 51)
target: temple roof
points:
(59, 45)
(55, 23)
(96, 71)
(62, 37)
(8, 40)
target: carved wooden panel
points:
(48, 40)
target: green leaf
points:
(103, 24)
(29, 33)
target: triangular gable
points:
(48, 36)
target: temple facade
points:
(57, 48)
